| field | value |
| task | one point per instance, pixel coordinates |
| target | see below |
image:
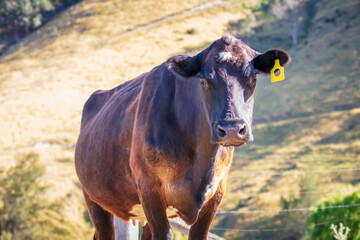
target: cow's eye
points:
(252, 81)
(204, 82)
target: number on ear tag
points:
(277, 67)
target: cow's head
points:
(226, 72)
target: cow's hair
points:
(235, 50)
(229, 39)
(265, 62)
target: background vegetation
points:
(309, 122)
(25, 212)
(349, 217)
(19, 17)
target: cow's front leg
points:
(153, 202)
(199, 230)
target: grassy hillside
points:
(291, 147)
(325, 69)
(308, 122)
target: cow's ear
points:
(265, 62)
(185, 65)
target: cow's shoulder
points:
(97, 101)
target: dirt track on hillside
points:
(172, 17)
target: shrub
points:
(319, 222)
(24, 212)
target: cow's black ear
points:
(265, 61)
(185, 65)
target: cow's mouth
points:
(232, 144)
(228, 144)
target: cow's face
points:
(227, 90)
(226, 72)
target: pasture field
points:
(308, 123)
(291, 165)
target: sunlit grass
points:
(301, 147)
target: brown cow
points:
(161, 145)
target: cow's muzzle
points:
(234, 134)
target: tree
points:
(24, 212)
(22, 14)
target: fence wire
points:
(294, 172)
(287, 210)
(258, 230)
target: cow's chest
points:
(182, 202)
(187, 193)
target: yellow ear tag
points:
(278, 67)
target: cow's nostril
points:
(221, 132)
(242, 131)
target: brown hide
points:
(155, 140)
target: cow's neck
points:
(213, 160)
